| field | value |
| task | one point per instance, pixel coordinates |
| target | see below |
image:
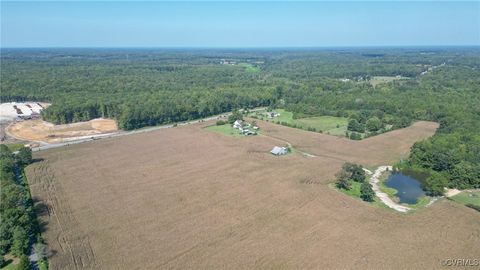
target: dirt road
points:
(380, 194)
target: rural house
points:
(237, 124)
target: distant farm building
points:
(279, 151)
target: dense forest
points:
(148, 87)
(19, 227)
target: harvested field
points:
(39, 130)
(375, 151)
(187, 198)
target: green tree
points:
(434, 185)
(374, 124)
(354, 125)
(19, 241)
(355, 136)
(5, 151)
(24, 155)
(366, 192)
(343, 180)
(24, 263)
(356, 171)
(236, 115)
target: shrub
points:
(221, 123)
(355, 136)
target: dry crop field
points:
(188, 198)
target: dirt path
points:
(381, 195)
(452, 192)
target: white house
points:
(237, 124)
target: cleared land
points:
(226, 129)
(39, 130)
(188, 198)
(468, 197)
(327, 124)
(250, 68)
(376, 80)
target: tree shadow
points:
(41, 210)
(35, 160)
(6, 263)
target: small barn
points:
(279, 151)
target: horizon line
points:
(241, 47)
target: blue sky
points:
(238, 24)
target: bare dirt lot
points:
(39, 130)
(187, 198)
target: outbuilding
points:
(278, 151)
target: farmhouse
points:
(237, 124)
(278, 151)
(244, 128)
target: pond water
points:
(409, 189)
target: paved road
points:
(46, 146)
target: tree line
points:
(19, 227)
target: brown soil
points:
(39, 130)
(187, 198)
(383, 149)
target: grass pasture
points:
(468, 197)
(226, 129)
(249, 68)
(184, 198)
(355, 193)
(376, 80)
(327, 124)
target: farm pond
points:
(409, 189)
